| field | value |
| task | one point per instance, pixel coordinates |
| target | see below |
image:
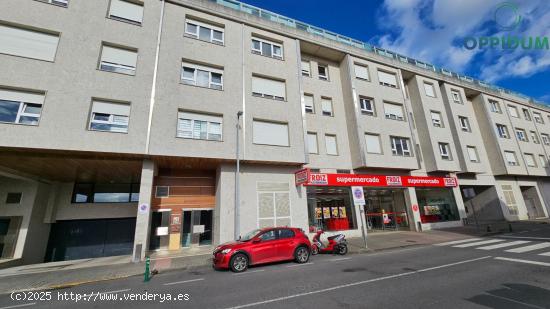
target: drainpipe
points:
(237, 181)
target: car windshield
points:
(248, 236)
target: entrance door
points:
(196, 228)
(160, 235)
(385, 209)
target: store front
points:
(331, 208)
(437, 205)
(385, 209)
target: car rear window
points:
(286, 233)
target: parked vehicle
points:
(337, 244)
(263, 246)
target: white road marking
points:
(250, 272)
(523, 261)
(457, 242)
(355, 283)
(478, 243)
(529, 248)
(340, 259)
(18, 306)
(526, 237)
(502, 245)
(109, 292)
(304, 264)
(545, 254)
(184, 281)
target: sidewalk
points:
(70, 273)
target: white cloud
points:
(434, 30)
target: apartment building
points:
(126, 140)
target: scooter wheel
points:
(342, 250)
(314, 250)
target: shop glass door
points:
(196, 228)
(385, 209)
(159, 236)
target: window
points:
(105, 193)
(495, 106)
(429, 89)
(126, 11)
(331, 145)
(510, 199)
(521, 135)
(394, 111)
(436, 119)
(20, 107)
(63, 3)
(545, 139)
(28, 43)
(535, 137)
(373, 143)
(472, 153)
(285, 233)
(270, 133)
(387, 79)
(526, 114)
(306, 68)
(162, 191)
(273, 204)
(367, 106)
(268, 88)
(361, 71)
(338, 171)
(14, 197)
(511, 158)
(464, 124)
(502, 131)
(323, 72)
(400, 146)
(326, 105)
(445, 151)
(199, 126)
(513, 111)
(457, 98)
(309, 104)
(204, 32)
(118, 60)
(267, 48)
(109, 116)
(530, 160)
(538, 118)
(312, 142)
(543, 162)
(202, 76)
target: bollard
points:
(147, 274)
(510, 227)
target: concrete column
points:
(143, 218)
(412, 203)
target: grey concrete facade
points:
(157, 94)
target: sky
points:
(434, 31)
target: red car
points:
(263, 246)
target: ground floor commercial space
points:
(64, 207)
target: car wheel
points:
(238, 263)
(301, 255)
(342, 249)
(314, 250)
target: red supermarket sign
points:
(321, 179)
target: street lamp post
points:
(237, 184)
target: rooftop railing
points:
(289, 22)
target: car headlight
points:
(226, 251)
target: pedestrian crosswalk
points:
(506, 245)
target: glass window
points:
(204, 32)
(502, 131)
(330, 208)
(28, 43)
(268, 88)
(535, 137)
(162, 191)
(109, 116)
(530, 160)
(20, 107)
(118, 60)
(545, 138)
(387, 79)
(472, 154)
(309, 104)
(464, 124)
(538, 118)
(526, 114)
(373, 143)
(269, 235)
(511, 158)
(105, 193)
(267, 48)
(457, 98)
(495, 106)
(202, 76)
(521, 135)
(445, 151)
(199, 126)
(14, 197)
(326, 105)
(394, 111)
(331, 145)
(400, 146)
(323, 72)
(513, 111)
(312, 142)
(429, 89)
(83, 193)
(361, 71)
(436, 119)
(510, 199)
(367, 106)
(285, 233)
(306, 68)
(437, 205)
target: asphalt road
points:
(507, 271)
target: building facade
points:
(119, 135)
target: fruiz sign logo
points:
(450, 182)
(393, 180)
(318, 179)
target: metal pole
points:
(237, 184)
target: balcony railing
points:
(289, 22)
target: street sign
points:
(358, 196)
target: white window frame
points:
(543, 161)
(377, 136)
(62, 3)
(324, 77)
(113, 118)
(530, 160)
(197, 68)
(464, 124)
(526, 114)
(307, 71)
(513, 111)
(457, 98)
(364, 108)
(117, 67)
(327, 112)
(21, 111)
(429, 89)
(538, 118)
(405, 144)
(445, 151)
(535, 137)
(256, 142)
(470, 150)
(309, 109)
(521, 135)
(310, 135)
(269, 96)
(502, 131)
(364, 67)
(210, 27)
(194, 117)
(512, 153)
(438, 120)
(393, 116)
(327, 136)
(545, 139)
(272, 47)
(385, 83)
(495, 106)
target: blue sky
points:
(434, 31)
